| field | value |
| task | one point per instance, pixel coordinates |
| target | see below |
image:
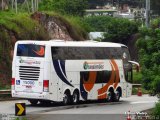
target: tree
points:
(116, 30)
(155, 5)
(72, 7)
(149, 54)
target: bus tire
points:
(66, 98)
(75, 97)
(109, 96)
(33, 102)
(117, 96)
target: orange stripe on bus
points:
(104, 96)
(110, 82)
(40, 52)
(117, 73)
(88, 85)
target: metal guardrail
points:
(5, 92)
(136, 85)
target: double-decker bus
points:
(71, 71)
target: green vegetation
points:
(156, 111)
(5, 87)
(149, 54)
(71, 7)
(137, 77)
(21, 26)
(117, 29)
(15, 27)
(135, 91)
(21, 118)
(79, 28)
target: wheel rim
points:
(75, 98)
(109, 96)
(117, 95)
(65, 99)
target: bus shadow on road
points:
(81, 104)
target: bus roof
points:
(89, 43)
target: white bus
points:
(70, 71)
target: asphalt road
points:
(85, 111)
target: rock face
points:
(57, 32)
(57, 27)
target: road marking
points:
(143, 102)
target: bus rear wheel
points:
(109, 96)
(33, 102)
(117, 96)
(75, 98)
(66, 99)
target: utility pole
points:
(147, 13)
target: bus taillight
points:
(46, 85)
(13, 83)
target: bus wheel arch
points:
(67, 97)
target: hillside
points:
(37, 26)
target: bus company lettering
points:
(93, 65)
(29, 62)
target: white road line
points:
(143, 102)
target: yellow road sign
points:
(20, 109)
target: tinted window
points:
(30, 50)
(103, 76)
(77, 53)
(126, 58)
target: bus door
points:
(127, 70)
(129, 80)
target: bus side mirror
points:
(136, 64)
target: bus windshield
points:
(30, 50)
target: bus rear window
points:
(30, 50)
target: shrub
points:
(156, 110)
(116, 29)
(71, 7)
(149, 54)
